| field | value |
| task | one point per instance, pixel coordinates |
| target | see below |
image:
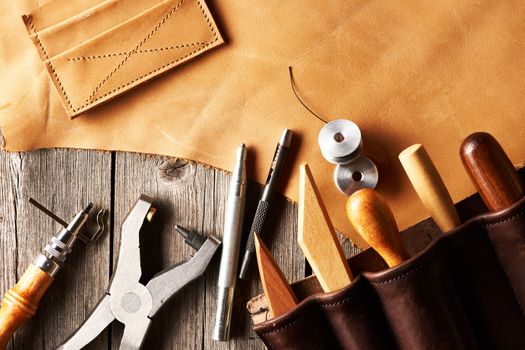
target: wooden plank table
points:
(185, 193)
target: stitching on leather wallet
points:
(157, 49)
(43, 49)
(132, 52)
(163, 66)
(90, 100)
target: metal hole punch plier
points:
(131, 302)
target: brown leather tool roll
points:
(465, 291)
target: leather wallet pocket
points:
(95, 50)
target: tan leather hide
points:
(426, 72)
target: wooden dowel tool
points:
(429, 186)
(372, 218)
(317, 237)
(491, 171)
(277, 290)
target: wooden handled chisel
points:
(372, 218)
(491, 171)
(429, 186)
(317, 238)
(277, 290)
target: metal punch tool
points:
(131, 302)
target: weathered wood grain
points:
(64, 181)
(188, 194)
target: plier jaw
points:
(129, 301)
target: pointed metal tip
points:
(241, 153)
(184, 232)
(88, 208)
(286, 138)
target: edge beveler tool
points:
(129, 301)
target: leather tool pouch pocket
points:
(465, 291)
(95, 50)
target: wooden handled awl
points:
(277, 290)
(21, 301)
(429, 186)
(317, 237)
(373, 220)
(491, 171)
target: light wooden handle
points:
(21, 302)
(373, 220)
(317, 239)
(491, 171)
(277, 290)
(429, 187)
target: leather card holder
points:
(96, 50)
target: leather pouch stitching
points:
(413, 271)
(200, 46)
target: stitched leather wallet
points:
(465, 291)
(94, 50)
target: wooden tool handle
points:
(317, 239)
(277, 290)
(429, 186)
(491, 171)
(21, 302)
(373, 220)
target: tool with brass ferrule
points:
(20, 303)
(129, 301)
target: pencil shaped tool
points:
(277, 290)
(429, 186)
(491, 171)
(317, 237)
(373, 220)
(263, 207)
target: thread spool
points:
(340, 141)
(358, 174)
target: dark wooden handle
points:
(21, 302)
(372, 218)
(491, 171)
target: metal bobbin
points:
(340, 141)
(358, 174)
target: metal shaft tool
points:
(129, 301)
(230, 247)
(20, 303)
(491, 171)
(264, 204)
